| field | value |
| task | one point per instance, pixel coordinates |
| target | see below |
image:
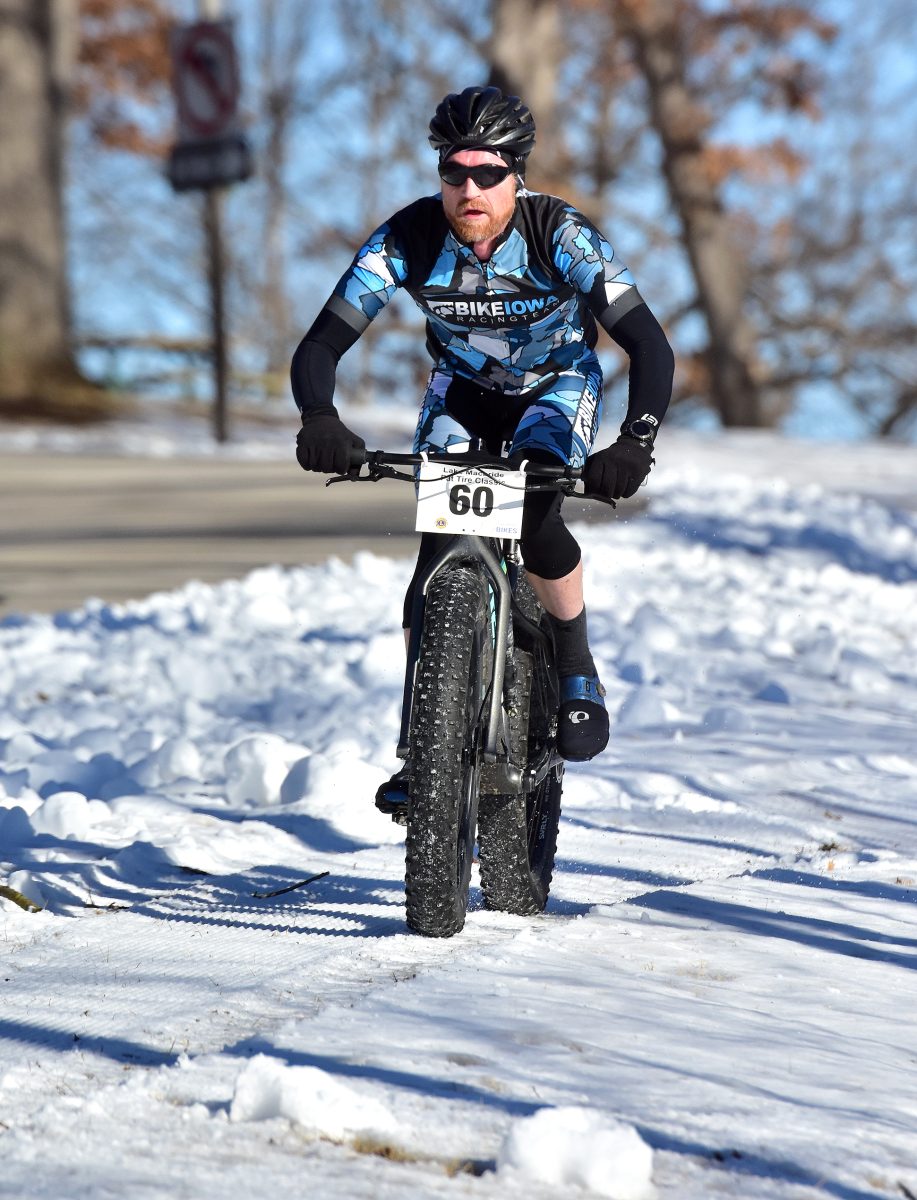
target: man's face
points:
(477, 215)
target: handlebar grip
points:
(358, 456)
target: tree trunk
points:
(526, 48)
(653, 27)
(283, 43)
(37, 373)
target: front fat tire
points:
(446, 723)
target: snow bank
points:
(845, 529)
(582, 1147)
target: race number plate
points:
(482, 500)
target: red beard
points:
(478, 230)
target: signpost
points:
(211, 152)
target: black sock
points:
(572, 645)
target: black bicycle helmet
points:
(482, 118)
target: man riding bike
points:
(512, 284)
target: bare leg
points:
(563, 598)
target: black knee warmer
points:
(549, 549)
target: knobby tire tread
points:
(445, 734)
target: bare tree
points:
(526, 53)
(37, 372)
(283, 34)
(682, 110)
(836, 282)
(656, 31)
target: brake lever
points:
(568, 487)
(595, 496)
(375, 472)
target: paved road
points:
(119, 528)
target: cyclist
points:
(513, 284)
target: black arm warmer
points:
(652, 363)
(314, 365)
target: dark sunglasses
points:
(487, 176)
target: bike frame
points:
(456, 548)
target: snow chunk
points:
(583, 1147)
(257, 766)
(13, 783)
(819, 653)
(21, 747)
(725, 718)
(177, 758)
(635, 663)
(312, 1098)
(652, 628)
(69, 815)
(862, 674)
(59, 767)
(696, 802)
(645, 708)
(27, 885)
(337, 788)
(268, 613)
(15, 827)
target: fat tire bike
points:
(479, 718)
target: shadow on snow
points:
(833, 936)
(46, 1037)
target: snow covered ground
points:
(720, 999)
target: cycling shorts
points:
(558, 420)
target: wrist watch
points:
(641, 429)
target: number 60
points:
(480, 501)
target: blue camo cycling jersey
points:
(513, 323)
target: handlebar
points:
(373, 459)
(383, 464)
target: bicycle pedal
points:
(392, 797)
(396, 809)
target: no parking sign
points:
(211, 148)
(206, 75)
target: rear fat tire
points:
(517, 834)
(446, 728)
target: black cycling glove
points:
(325, 444)
(619, 470)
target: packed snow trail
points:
(720, 994)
